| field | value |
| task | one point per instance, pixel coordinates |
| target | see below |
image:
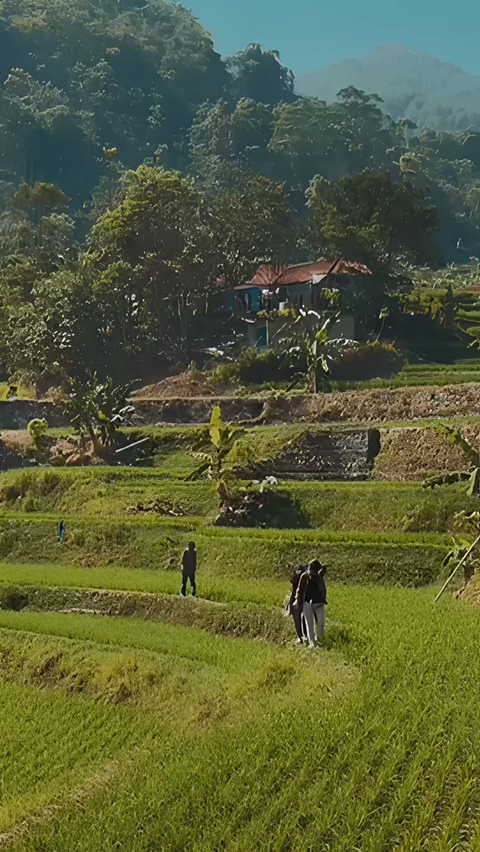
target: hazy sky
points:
(312, 33)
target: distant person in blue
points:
(61, 531)
(189, 569)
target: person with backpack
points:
(311, 599)
(292, 608)
(189, 570)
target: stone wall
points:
(332, 456)
(17, 415)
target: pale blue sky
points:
(312, 33)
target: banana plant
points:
(313, 344)
(213, 459)
(97, 407)
(461, 552)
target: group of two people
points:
(307, 602)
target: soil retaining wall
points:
(194, 411)
(380, 405)
(369, 406)
(336, 456)
(351, 406)
(418, 453)
(17, 414)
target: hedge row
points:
(391, 560)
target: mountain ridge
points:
(412, 84)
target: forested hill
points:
(413, 85)
(138, 167)
(79, 76)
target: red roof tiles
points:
(269, 276)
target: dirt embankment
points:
(380, 405)
(188, 385)
(415, 454)
(180, 404)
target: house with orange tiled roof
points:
(275, 290)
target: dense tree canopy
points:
(138, 168)
(259, 75)
(371, 218)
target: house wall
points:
(279, 328)
(344, 328)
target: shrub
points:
(50, 481)
(225, 374)
(256, 368)
(369, 361)
(29, 504)
(13, 599)
(37, 429)
(261, 508)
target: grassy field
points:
(419, 375)
(372, 747)
(405, 558)
(108, 493)
(132, 719)
(89, 691)
(381, 532)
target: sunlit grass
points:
(394, 763)
(150, 582)
(51, 743)
(137, 734)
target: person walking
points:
(311, 600)
(189, 570)
(61, 531)
(292, 606)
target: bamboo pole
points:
(131, 446)
(452, 575)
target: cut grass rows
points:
(148, 582)
(412, 380)
(405, 558)
(180, 642)
(150, 528)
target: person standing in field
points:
(311, 599)
(292, 608)
(189, 569)
(61, 531)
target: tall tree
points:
(148, 260)
(260, 76)
(251, 223)
(333, 140)
(370, 217)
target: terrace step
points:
(341, 456)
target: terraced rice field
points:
(131, 719)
